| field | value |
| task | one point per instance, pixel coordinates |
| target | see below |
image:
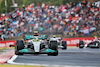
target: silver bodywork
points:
(36, 43)
(86, 44)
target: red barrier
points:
(6, 43)
(70, 41)
(74, 41)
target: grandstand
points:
(82, 19)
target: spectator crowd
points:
(72, 19)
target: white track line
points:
(11, 61)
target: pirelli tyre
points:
(53, 45)
(81, 44)
(18, 46)
(64, 44)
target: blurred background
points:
(67, 18)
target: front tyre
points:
(19, 45)
(64, 45)
(81, 44)
(53, 45)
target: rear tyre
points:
(81, 44)
(53, 45)
(19, 46)
(64, 45)
(77, 45)
(98, 44)
(55, 54)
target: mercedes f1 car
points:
(35, 45)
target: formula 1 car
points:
(35, 45)
(91, 44)
(60, 43)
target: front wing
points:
(47, 51)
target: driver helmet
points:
(37, 39)
(54, 36)
(95, 36)
(35, 33)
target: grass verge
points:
(4, 65)
(7, 48)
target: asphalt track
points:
(70, 57)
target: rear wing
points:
(27, 37)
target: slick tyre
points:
(81, 44)
(18, 46)
(64, 45)
(53, 45)
(98, 44)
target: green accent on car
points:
(27, 36)
(43, 36)
(15, 46)
(23, 50)
(31, 36)
(50, 50)
(47, 50)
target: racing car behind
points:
(61, 44)
(94, 43)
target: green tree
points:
(3, 7)
(27, 2)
